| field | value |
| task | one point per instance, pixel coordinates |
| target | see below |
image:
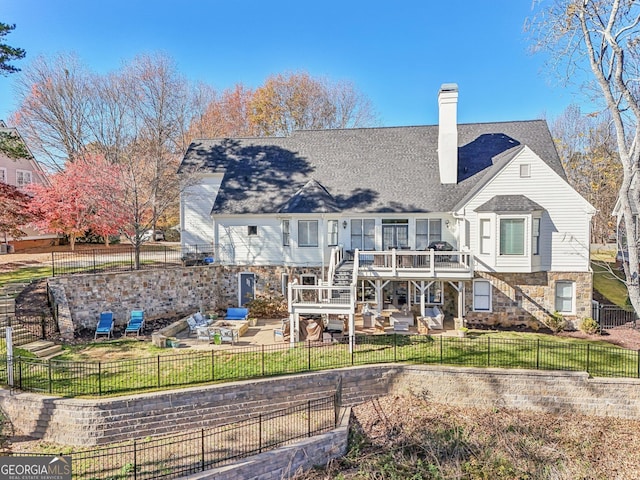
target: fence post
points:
(213, 365)
(93, 252)
(259, 433)
(639, 363)
(42, 326)
(309, 355)
(50, 377)
(20, 371)
(202, 448)
(538, 355)
(100, 378)
(53, 265)
(395, 347)
(441, 353)
(158, 371)
(488, 351)
(135, 459)
(262, 357)
(308, 418)
(588, 358)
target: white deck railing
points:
(427, 262)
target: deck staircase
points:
(342, 277)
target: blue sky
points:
(397, 53)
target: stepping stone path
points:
(22, 337)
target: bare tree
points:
(602, 38)
(586, 145)
(55, 98)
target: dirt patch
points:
(622, 336)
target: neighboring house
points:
(21, 172)
(477, 219)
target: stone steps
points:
(42, 348)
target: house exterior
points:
(477, 219)
(21, 172)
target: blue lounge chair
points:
(237, 314)
(136, 322)
(105, 325)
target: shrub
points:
(590, 326)
(556, 322)
(268, 307)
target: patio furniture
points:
(434, 318)
(402, 318)
(196, 320)
(136, 322)
(105, 325)
(237, 313)
(400, 327)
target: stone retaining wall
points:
(171, 292)
(91, 422)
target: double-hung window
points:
(428, 231)
(535, 241)
(485, 236)
(3, 175)
(565, 292)
(482, 296)
(332, 233)
(363, 234)
(512, 236)
(307, 233)
(286, 233)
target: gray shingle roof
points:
(312, 198)
(390, 169)
(510, 204)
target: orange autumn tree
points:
(85, 196)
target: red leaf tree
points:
(85, 196)
(15, 212)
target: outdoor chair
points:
(105, 325)
(136, 322)
(237, 314)
(195, 321)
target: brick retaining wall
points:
(91, 422)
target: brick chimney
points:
(448, 133)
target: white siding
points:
(196, 202)
(564, 227)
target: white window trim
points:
(24, 172)
(308, 275)
(490, 310)
(482, 221)
(329, 232)
(573, 297)
(527, 227)
(284, 284)
(4, 178)
(286, 232)
(535, 239)
(310, 245)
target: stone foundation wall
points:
(91, 422)
(172, 292)
(528, 299)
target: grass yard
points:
(127, 366)
(607, 282)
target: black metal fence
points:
(611, 316)
(72, 379)
(123, 258)
(184, 453)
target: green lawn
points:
(25, 274)
(80, 374)
(607, 281)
